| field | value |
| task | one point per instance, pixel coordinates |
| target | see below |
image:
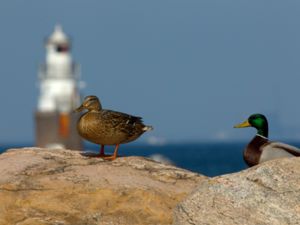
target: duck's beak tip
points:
(79, 109)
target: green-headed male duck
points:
(107, 127)
(260, 149)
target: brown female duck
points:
(107, 127)
(260, 148)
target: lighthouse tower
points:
(59, 81)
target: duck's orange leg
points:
(115, 155)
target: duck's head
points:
(257, 121)
(91, 103)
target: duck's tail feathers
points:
(147, 128)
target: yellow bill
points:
(244, 124)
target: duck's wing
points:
(120, 118)
(274, 150)
(285, 147)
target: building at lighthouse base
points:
(57, 130)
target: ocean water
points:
(210, 159)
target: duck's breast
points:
(252, 153)
(91, 128)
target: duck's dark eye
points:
(90, 102)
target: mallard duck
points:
(107, 127)
(260, 149)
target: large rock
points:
(39, 186)
(263, 195)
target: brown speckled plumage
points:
(107, 127)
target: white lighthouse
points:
(59, 81)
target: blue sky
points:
(192, 69)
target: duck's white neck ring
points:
(261, 136)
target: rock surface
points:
(263, 195)
(40, 186)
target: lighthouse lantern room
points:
(59, 80)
